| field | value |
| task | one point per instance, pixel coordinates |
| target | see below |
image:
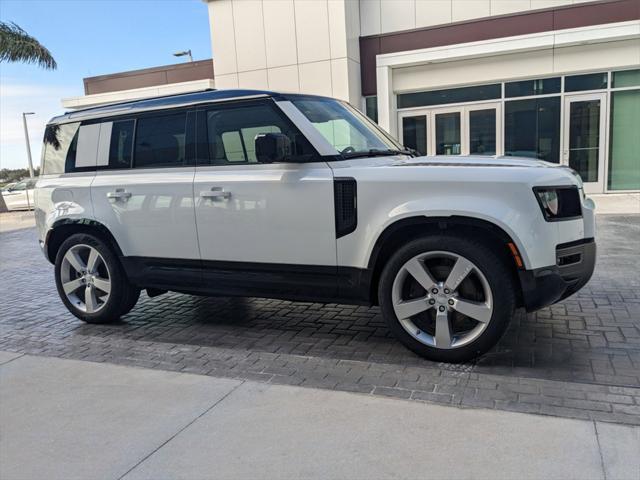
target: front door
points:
(462, 130)
(584, 134)
(263, 229)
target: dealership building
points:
(557, 80)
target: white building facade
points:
(552, 79)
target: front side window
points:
(232, 132)
(59, 147)
(160, 141)
(346, 129)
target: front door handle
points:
(215, 193)
(119, 194)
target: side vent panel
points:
(345, 195)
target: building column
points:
(386, 107)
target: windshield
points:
(345, 128)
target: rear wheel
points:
(447, 298)
(91, 281)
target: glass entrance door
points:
(484, 129)
(447, 132)
(464, 130)
(584, 134)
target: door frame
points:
(422, 112)
(499, 126)
(464, 139)
(589, 187)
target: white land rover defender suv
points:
(255, 193)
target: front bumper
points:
(575, 262)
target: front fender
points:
(514, 210)
(521, 227)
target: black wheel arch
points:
(407, 229)
(64, 228)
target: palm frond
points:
(16, 45)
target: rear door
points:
(263, 228)
(143, 193)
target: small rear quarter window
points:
(59, 147)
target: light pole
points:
(184, 53)
(26, 137)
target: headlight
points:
(559, 203)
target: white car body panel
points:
(276, 213)
(62, 197)
(157, 220)
(485, 188)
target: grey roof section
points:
(158, 103)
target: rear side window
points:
(121, 145)
(59, 150)
(160, 141)
(232, 132)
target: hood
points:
(473, 161)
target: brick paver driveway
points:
(580, 358)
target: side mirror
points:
(272, 147)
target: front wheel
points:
(91, 281)
(446, 298)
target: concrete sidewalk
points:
(69, 419)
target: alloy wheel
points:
(85, 278)
(442, 299)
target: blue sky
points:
(87, 38)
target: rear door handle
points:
(215, 193)
(119, 194)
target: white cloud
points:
(15, 98)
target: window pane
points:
(121, 144)
(232, 132)
(344, 127)
(59, 147)
(584, 138)
(160, 141)
(532, 87)
(452, 95)
(482, 131)
(249, 138)
(626, 78)
(232, 142)
(624, 159)
(414, 133)
(592, 81)
(86, 147)
(371, 107)
(448, 133)
(532, 128)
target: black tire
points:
(133, 294)
(122, 295)
(491, 265)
